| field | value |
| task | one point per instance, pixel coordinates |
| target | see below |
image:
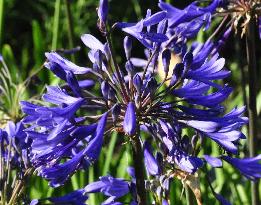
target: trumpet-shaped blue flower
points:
(191, 12)
(109, 186)
(249, 167)
(145, 37)
(77, 197)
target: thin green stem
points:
(92, 198)
(189, 196)
(56, 24)
(139, 169)
(1, 21)
(70, 26)
(252, 111)
(109, 153)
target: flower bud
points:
(98, 58)
(111, 95)
(127, 43)
(166, 56)
(73, 83)
(116, 111)
(152, 85)
(137, 100)
(188, 59)
(129, 67)
(129, 123)
(137, 82)
(107, 51)
(162, 26)
(149, 160)
(96, 68)
(103, 10)
(159, 158)
(105, 88)
(177, 73)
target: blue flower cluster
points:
(172, 94)
(14, 158)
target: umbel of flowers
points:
(171, 94)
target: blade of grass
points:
(8, 55)
(1, 21)
(109, 153)
(124, 163)
(38, 43)
(242, 193)
(220, 177)
(91, 179)
(56, 24)
(70, 26)
(259, 103)
(137, 8)
(75, 181)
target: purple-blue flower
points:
(249, 167)
(213, 161)
(145, 37)
(191, 12)
(77, 197)
(150, 161)
(109, 186)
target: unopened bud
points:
(103, 10)
(137, 82)
(116, 111)
(105, 88)
(188, 59)
(166, 56)
(98, 58)
(177, 73)
(129, 67)
(107, 51)
(127, 43)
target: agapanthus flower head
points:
(67, 134)
(14, 145)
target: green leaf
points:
(56, 24)
(38, 43)
(11, 62)
(1, 20)
(109, 153)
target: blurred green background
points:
(29, 28)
